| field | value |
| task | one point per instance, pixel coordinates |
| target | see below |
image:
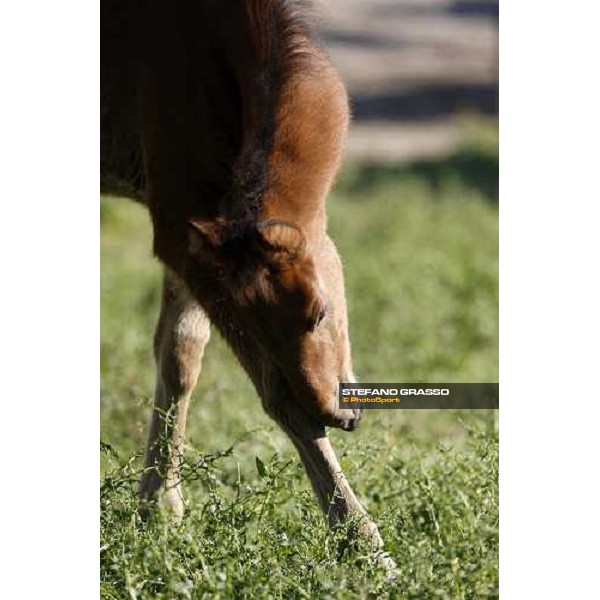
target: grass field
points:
(420, 247)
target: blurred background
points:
(414, 213)
(413, 68)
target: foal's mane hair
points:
(283, 46)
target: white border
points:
(49, 244)
(550, 299)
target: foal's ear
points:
(283, 240)
(205, 238)
(202, 231)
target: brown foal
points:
(226, 119)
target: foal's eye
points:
(321, 315)
(317, 318)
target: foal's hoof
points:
(145, 509)
(174, 504)
(170, 500)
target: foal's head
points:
(285, 295)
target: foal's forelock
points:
(269, 238)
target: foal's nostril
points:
(352, 423)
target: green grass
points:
(420, 251)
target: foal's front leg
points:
(333, 491)
(335, 496)
(182, 332)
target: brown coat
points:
(226, 119)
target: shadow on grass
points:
(426, 102)
(469, 167)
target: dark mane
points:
(282, 41)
